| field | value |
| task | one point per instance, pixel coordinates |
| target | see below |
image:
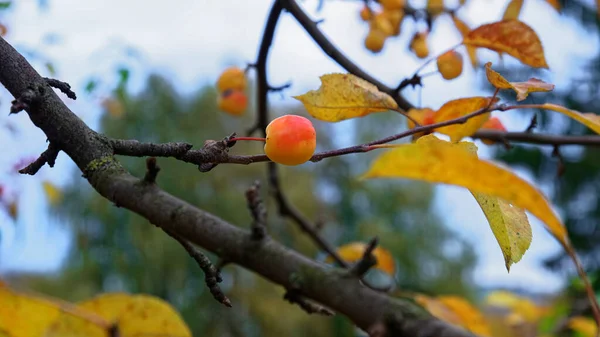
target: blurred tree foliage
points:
(116, 250)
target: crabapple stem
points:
(257, 139)
(382, 146)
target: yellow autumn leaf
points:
(68, 325)
(437, 161)
(589, 119)
(521, 308)
(150, 316)
(435, 7)
(457, 311)
(509, 225)
(459, 108)
(345, 96)
(513, 9)
(512, 37)
(24, 316)
(464, 31)
(521, 88)
(52, 192)
(354, 251)
(585, 326)
(108, 306)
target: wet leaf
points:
(512, 37)
(345, 96)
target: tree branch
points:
(93, 154)
(48, 156)
(313, 30)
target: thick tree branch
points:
(93, 154)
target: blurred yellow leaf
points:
(589, 119)
(53, 194)
(459, 108)
(13, 210)
(512, 37)
(521, 308)
(354, 251)
(24, 316)
(114, 107)
(464, 31)
(151, 316)
(437, 161)
(435, 7)
(585, 326)
(456, 310)
(513, 10)
(521, 88)
(345, 96)
(3, 30)
(108, 306)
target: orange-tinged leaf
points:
(512, 37)
(345, 96)
(471, 318)
(586, 327)
(24, 316)
(52, 192)
(151, 316)
(521, 88)
(434, 160)
(437, 309)
(459, 108)
(589, 119)
(457, 311)
(464, 31)
(354, 251)
(513, 10)
(555, 4)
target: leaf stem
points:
(256, 139)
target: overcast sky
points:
(191, 41)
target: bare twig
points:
(532, 124)
(560, 169)
(23, 101)
(48, 156)
(367, 261)
(212, 276)
(258, 210)
(64, 87)
(293, 296)
(152, 170)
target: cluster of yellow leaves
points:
(521, 309)
(26, 315)
(354, 251)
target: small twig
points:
(532, 124)
(258, 210)
(560, 170)
(152, 170)
(23, 102)
(48, 156)
(62, 86)
(293, 296)
(414, 81)
(134, 148)
(212, 277)
(367, 261)
(279, 88)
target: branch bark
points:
(93, 153)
